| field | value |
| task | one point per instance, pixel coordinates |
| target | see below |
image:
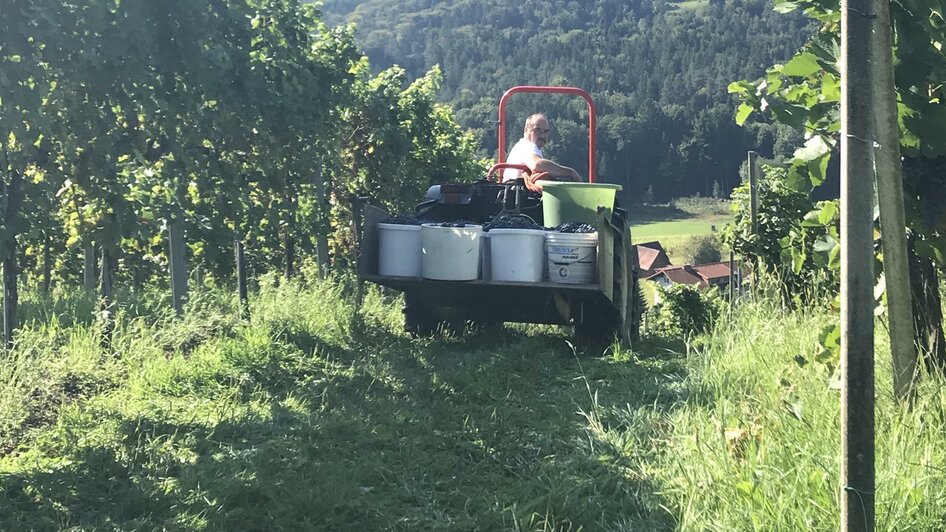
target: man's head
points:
(537, 129)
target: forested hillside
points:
(657, 70)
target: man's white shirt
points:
(519, 154)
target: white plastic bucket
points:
(517, 254)
(399, 250)
(571, 257)
(450, 253)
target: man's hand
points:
(531, 179)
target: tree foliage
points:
(795, 239)
(658, 72)
(243, 119)
(805, 93)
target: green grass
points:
(688, 227)
(313, 416)
(676, 237)
(674, 224)
(756, 446)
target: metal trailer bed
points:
(599, 311)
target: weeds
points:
(314, 416)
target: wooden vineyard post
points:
(290, 255)
(892, 215)
(105, 277)
(105, 286)
(356, 203)
(88, 270)
(753, 192)
(857, 279)
(178, 264)
(321, 238)
(732, 280)
(240, 258)
(47, 267)
(11, 213)
(290, 205)
(10, 296)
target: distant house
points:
(714, 274)
(717, 274)
(677, 275)
(651, 257)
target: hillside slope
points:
(657, 70)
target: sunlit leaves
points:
(794, 237)
(743, 113)
(230, 115)
(802, 65)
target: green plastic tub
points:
(575, 202)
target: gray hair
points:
(533, 119)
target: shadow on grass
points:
(494, 431)
(96, 487)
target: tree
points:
(25, 126)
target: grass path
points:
(307, 418)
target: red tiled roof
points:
(646, 257)
(648, 253)
(680, 275)
(712, 270)
(653, 245)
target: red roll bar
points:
(592, 121)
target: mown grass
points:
(315, 416)
(686, 227)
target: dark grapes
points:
(458, 223)
(512, 221)
(402, 219)
(574, 227)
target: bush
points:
(685, 310)
(700, 249)
(797, 239)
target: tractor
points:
(609, 307)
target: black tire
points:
(602, 328)
(419, 321)
(593, 333)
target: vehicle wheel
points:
(630, 297)
(419, 321)
(593, 333)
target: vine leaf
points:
(802, 65)
(743, 113)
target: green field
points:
(673, 225)
(314, 416)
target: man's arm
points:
(538, 165)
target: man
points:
(528, 151)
